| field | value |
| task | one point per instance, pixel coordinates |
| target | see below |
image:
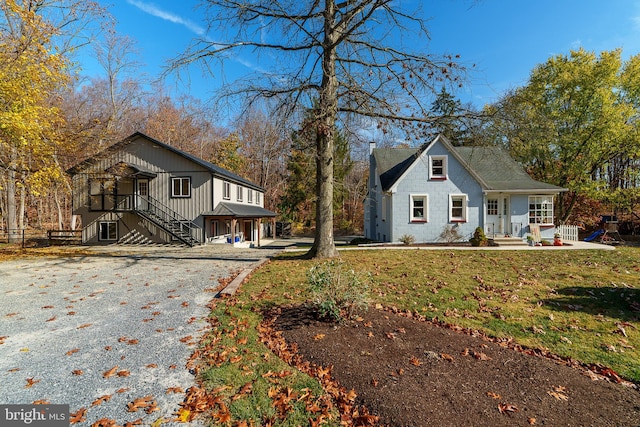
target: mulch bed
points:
(411, 372)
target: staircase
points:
(169, 220)
(509, 241)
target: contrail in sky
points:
(154, 10)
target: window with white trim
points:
(258, 194)
(419, 212)
(437, 167)
(108, 230)
(540, 209)
(181, 186)
(226, 190)
(249, 195)
(239, 192)
(458, 208)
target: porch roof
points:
(240, 211)
(131, 169)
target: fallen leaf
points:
(480, 356)
(122, 390)
(447, 357)
(151, 365)
(415, 361)
(111, 372)
(86, 325)
(184, 415)
(493, 395)
(558, 396)
(175, 390)
(101, 400)
(140, 403)
(40, 402)
(51, 319)
(31, 382)
(78, 416)
(137, 422)
(531, 421)
(77, 372)
(507, 408)
(319, 337)
(70, 352)
(124, 373)
(104, 422)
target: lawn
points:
(583, 305)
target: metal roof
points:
(240, 211)
(215, 170)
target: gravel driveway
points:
(98, 332)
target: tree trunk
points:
(323, 243)
(12, 214)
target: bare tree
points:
(353, 57)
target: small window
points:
(249, 195)
(540, 209)
(458, 208)
(108, 230)
(418, 208)
(492, 207)
(240, 191)
(226, 190)
(258, 194)
(181, 187)
(438, 167)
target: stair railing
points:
(187, 231)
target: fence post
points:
(23, 238)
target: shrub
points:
(407, 239)
(450, 234)
(479, 238)
(337, 290)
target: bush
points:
(479, 238)
(407, 239)
(337, 290)
(450, 234)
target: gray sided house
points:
(421, 192)
(141, 190)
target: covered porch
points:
(238, 224)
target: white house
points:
(421, 191)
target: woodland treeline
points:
(573, 124)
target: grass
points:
(577, 304)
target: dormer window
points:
(437, 167)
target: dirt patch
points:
(415, 373)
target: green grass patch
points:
(579, 304)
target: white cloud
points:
(154, 10)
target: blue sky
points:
(505, 39)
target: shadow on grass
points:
(616, 302)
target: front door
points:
(248, 236)
(497, 215)
(142, 196)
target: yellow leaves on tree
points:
(31, 72)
